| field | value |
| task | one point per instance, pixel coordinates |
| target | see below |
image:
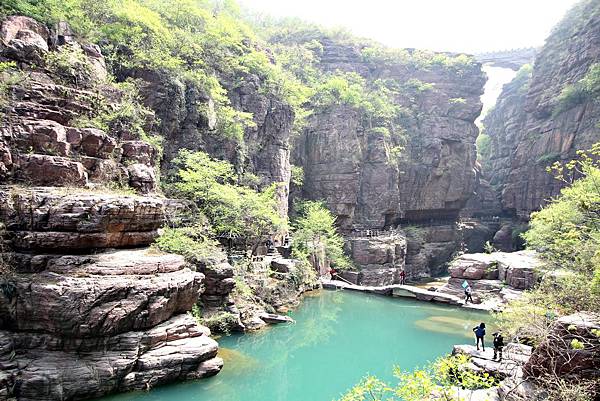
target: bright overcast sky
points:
(444, 25)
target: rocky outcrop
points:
(79, 318)
(530, 128)
(188, 121)
(378, 258)
(354, 169)
(42, 138)
(495, 278)
(570, 351)
(88, 325)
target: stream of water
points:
(338, 338)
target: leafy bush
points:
(70, 64)
(126, 115)
(484, 146)
(446, 376)
(192, 242)
(548, 158)
(297, 176)
(10, 76)
(232, 209)
(314, 232)
(586, 88)
(220, 322)
(567, 231)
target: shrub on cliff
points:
(566, 233)
(232, 209)
(315, 233)
(587, 88)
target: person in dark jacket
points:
(479, 334)
(498, 345)
(468, 294)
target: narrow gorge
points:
(175, 176)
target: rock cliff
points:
(536, 123)
(355, 170)
(86, 307)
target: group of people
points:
(498, 340)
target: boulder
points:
(142, 177)
(282, 265)
(557, 355)
(38, 169)
(23, 39)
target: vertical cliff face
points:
(356, 170)
(188, 121)
(547, 124)
(504, 125)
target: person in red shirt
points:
(333, 273)
(402, 277)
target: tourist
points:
(402, 277)
(479, 334)
(498, 345)
(333, 273)
(468, 294)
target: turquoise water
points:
(338, 338)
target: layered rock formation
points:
(188, 121)
(39, 144)
(530, 129)
(354, 170)
(495, 278)
(379, 257)
(79, 319)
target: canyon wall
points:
(354, 169)
(535, 124)
(86, 307)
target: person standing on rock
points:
(468, 294)
(402, 277)
(479, 335)
(498, 345)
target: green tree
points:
(232, 209)
(315, 232)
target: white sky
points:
(444, 25)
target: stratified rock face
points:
(354, 170)
(505, 125)
(266, 149)
(77, 318)
(558, 356)
(38, 143)
(43, 218)
(379, 258)
(89, 324)
(528, 133)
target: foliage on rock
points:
(315, 233)
(232, 209)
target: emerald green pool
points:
(339, 337)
